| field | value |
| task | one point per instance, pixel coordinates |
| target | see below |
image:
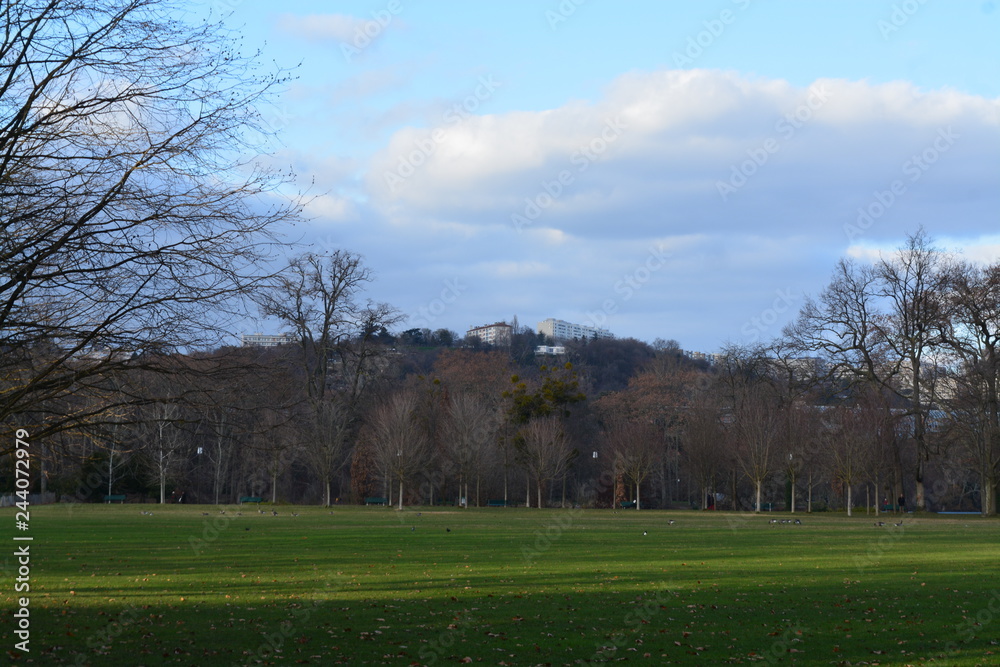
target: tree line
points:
(140, 223)
(881, 392)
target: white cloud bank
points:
(753, 186)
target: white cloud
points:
(635, 176)
(672, 147)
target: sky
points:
(663, 169)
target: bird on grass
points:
(274, 513)
(447, 530)
(879, 523)
(671, 522)
(798, 522)
(295, 513)
(773, 521)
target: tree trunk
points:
(757, 484)
(505, 478)
(791, 479)
(988, 494)
(809, 500)
(400, 493)
(666, 488)
(637, 497)
(850, 500)
(733, 502)
(920, 499)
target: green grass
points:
(110, 586)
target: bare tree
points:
(544, 452)
(339, 355)
(400, 445)
(849, 447)
(163, 442)
(974, 402)
(756, 414)
(883, 324)
(706, 450)
(134, 214)
(635, 450)
(913, 286)
(470, 431)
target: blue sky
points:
(685, 170)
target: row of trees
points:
(347, 412)
(138, 225)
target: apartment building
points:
(563, 330)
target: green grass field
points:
(111, 586)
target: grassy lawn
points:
(111, 586)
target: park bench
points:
(628, 504)
(117, 498)
(376, 501)
(496, 503)
(251, 499)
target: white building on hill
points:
(562, 330)
(266, 340)
(497, 334)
